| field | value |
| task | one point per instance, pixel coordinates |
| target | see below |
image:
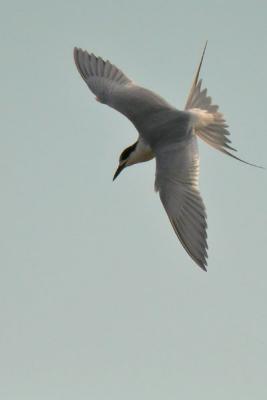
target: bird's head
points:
(126, 159)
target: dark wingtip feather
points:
(203, 267)
(77, 62)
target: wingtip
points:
(203, 261)
(75, 53)
(203, 265)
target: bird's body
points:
(169, 135)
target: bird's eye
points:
(125, 154)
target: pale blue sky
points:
(98, 299)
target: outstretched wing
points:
(208, 122)
(112, 87)
(177, 171)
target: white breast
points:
(141, 153)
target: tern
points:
(170, 136)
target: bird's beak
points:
(119, 169)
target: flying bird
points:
(170, 136)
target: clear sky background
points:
(98, 298)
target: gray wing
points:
(177, 171)
(112, 87)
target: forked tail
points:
(208, 122)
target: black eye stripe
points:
(125, 154)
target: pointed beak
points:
(119, 169)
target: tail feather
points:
(209, 124)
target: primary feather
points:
(177, 172)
